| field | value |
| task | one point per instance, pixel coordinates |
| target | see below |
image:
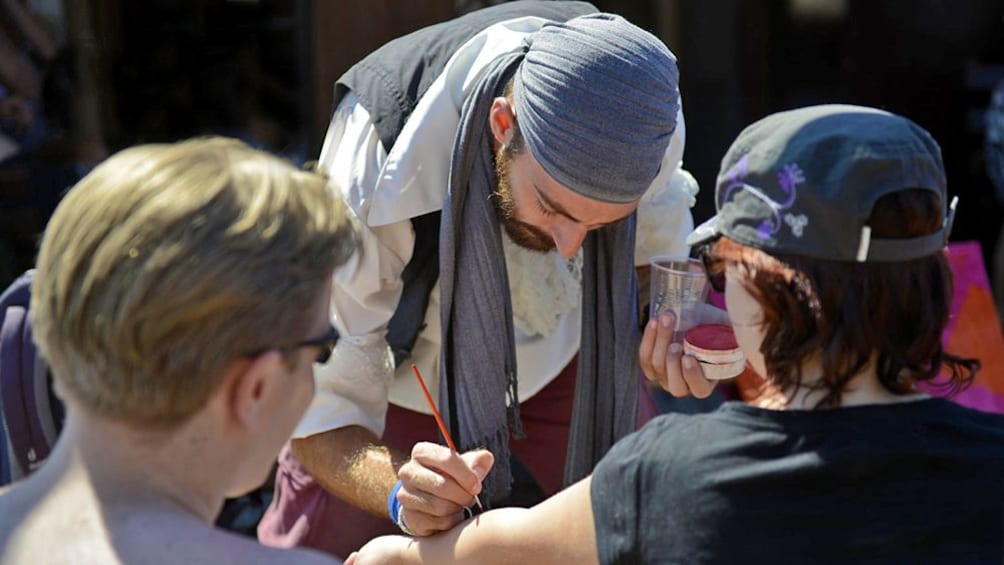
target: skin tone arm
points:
(558, 530)
(16, 74)
(353, 464)
(34, 28)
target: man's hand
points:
(664, 363)
(437, 484)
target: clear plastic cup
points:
(678, 285)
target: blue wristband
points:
(393, 504)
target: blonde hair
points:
(167, 262)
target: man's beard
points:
(521, 233)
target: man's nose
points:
(568, 236)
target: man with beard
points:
(551, 121)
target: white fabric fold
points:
(351, 389)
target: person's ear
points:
(501, 118)
(249, 388)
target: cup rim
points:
(695, 267)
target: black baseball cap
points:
(804, 182)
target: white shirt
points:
(385, 190)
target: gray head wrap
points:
(596, 99)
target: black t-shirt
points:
(916, 482)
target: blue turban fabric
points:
(597, 98)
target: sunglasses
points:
(325, 344)
(714, 267)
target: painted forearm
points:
(558, 530)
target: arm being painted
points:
(558, 530)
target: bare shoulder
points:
(42, 523)
(25, 533)
(212, 546)
(297, 556)
(238, 549)
(14, 506)
(9, 518)
(131, 533)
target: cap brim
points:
(704, 233)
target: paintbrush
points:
(439, 421)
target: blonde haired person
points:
(180, 301)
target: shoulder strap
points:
(419, 277)
(24, 385)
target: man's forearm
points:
(352, 464)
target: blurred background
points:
(80, 79)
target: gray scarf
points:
(595, 71)
(478, 362)
(478, 372)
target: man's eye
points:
(545, 211)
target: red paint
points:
(712, 337)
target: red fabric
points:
(974, 329)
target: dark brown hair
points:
(846, 311)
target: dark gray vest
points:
(389, 83)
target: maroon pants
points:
(304, 514)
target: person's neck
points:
(862, 389)
(136, 467)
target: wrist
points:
(393, 505)
(395, 511)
